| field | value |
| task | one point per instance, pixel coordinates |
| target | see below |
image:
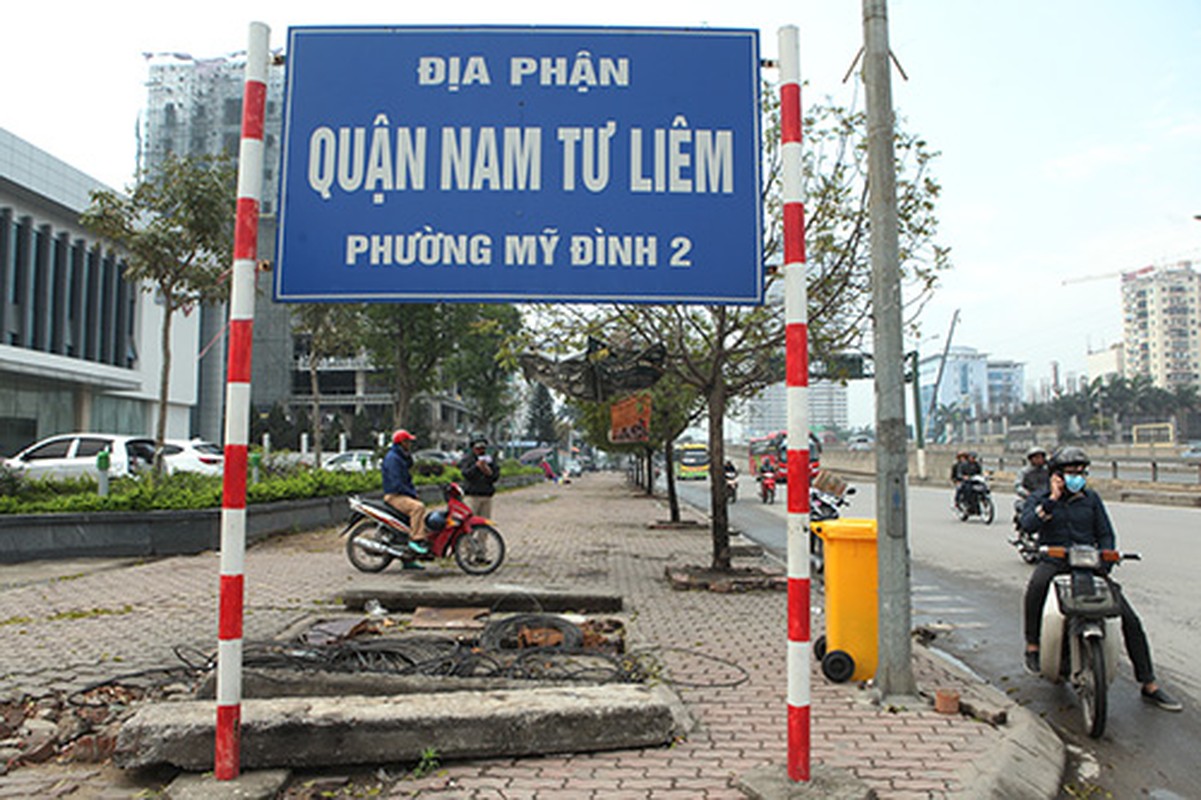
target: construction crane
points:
(1105, 275)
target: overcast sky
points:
(1070, 130)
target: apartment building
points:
(1161, 315)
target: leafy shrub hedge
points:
(191, 491)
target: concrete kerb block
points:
(1030, 759)
(1029, 762)
(259, 785)
(395, 596)
(825, 783)
(342, 731)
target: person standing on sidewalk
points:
(1066, 514)
(480, 472)
(399, 491)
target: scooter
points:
(976, 500)
(731, 488)
(1025, 541)
(823, 506)
(379, 534)
(767, 486)
(1081, 629)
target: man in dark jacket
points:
(480, 472)
(1035, 476)
(399, 491)
(1067, 514)
(965, 466)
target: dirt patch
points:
(737, 579)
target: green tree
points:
(674, 406)
(411, 342)
(276, 424)
(540, 416)
(328, 330)
(485, 380)
(728, 353)
(175, 227)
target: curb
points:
(1030, 760)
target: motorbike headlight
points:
(1084, 557)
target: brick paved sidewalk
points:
(592, 533)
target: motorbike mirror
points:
(850, 490)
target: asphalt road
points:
(967, 583)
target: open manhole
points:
(460, 643)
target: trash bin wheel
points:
(819, 647)
(838, 666)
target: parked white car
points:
(71, 455)
(196, 455)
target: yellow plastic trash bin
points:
(848, 651)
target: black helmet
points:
(1036, 451)
(1069, 456)
(435, 521)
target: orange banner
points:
(630, 420)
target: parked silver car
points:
(352, 461)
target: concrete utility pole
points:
(894, 673)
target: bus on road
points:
(770, 449)
(773, 449)
(692, 461)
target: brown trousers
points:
(414, 508)
(480, 505)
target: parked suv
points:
(70, 455)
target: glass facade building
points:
(78, 342)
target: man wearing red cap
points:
(399, 491)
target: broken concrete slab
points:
(261, 682)
(398, 596)
(340, 731)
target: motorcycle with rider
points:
(1035, 477)
(1073, 608)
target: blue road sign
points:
(520, 164)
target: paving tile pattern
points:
(723, 652)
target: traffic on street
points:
(967, 584)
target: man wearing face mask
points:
(1065, 514)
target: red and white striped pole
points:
(796, 353)
(227, 755)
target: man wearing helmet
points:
(964, 467)
(399, 491)
(1035, 476)
(480, 472)
(1064, 514)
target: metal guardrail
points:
(1157, 470)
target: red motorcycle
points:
(767, 486)
(379, 534)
